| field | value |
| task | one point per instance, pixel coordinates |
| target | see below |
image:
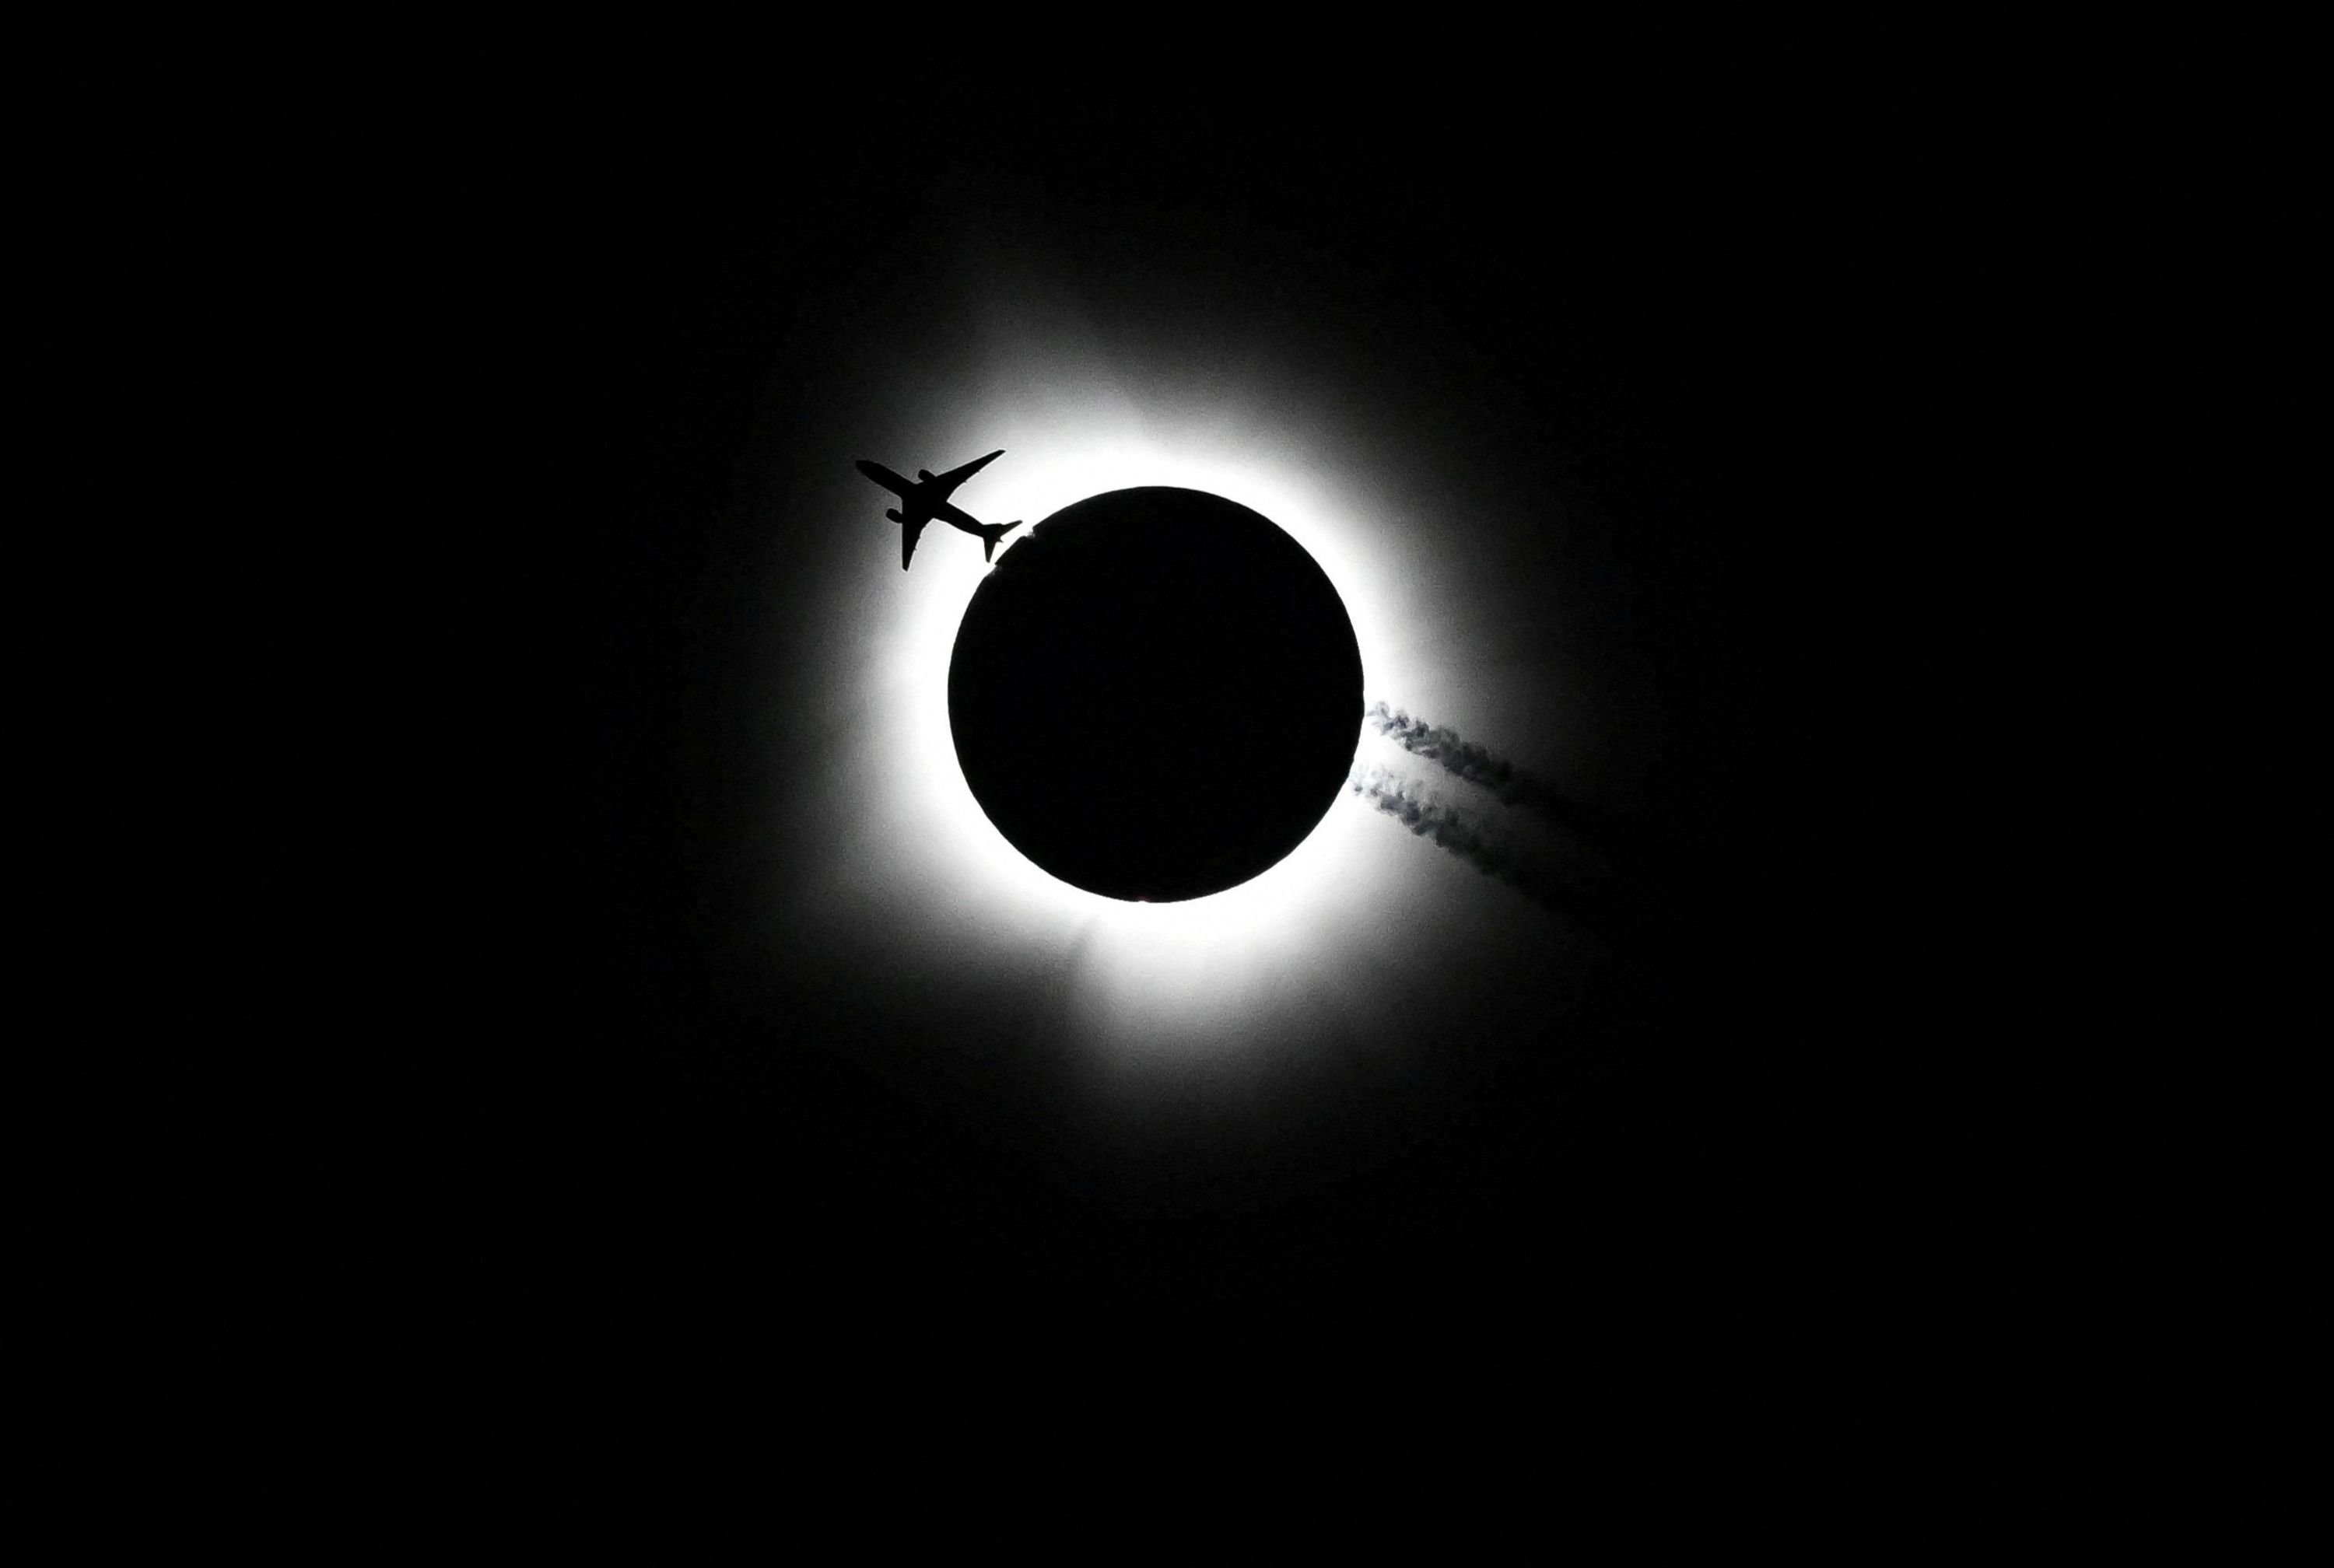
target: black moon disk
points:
(1156, 695)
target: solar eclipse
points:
(1127, 622)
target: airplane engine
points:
(894, 513)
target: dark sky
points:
(562, 1116)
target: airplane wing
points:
(947, 483)
(909, 533)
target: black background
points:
(476, 1144)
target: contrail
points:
(1475, 763)
(1601, 872)
(1450, 828)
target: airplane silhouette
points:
(926, 497)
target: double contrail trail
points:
(1578, 882)
(1477, 765)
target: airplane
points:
(926, 497)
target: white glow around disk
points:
(891, 868)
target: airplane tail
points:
(990, 533)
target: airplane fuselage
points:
(926, 497)
(919, 502)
